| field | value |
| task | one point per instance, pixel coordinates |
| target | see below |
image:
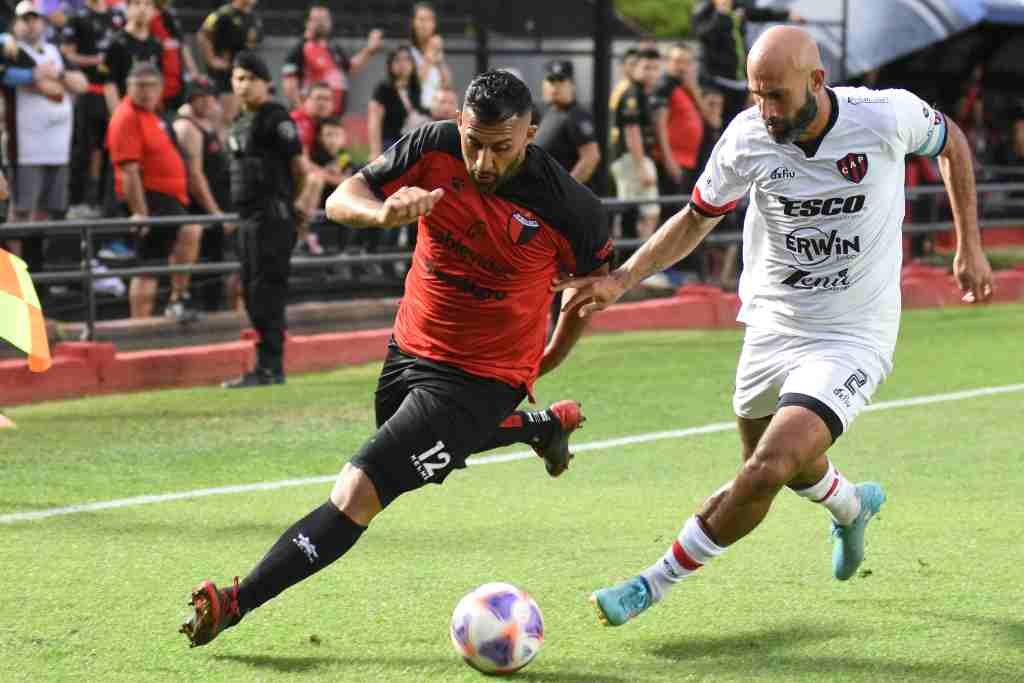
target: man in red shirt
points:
(678, 126)
(150, 178)
(316, 106)
(316, 58)
(498, 219)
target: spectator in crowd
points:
(678, 125)
(226, 32)
(723, 263)
(177, 56)
(197, 129)
(316, 106)
(721, 27)
(268, 170)
(86, 38)
(627, 77)
(428, 53)
(151, 179)
(135, 45)
(329, 165)
(566, 129)
(634, 170)
(970, 111)
(445, 104)
(318, 59)
(40, 137)
(394, 109)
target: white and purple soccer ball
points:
(497, 628)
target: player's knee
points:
(769, 469)
(355, 495)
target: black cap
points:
(254, 64)
(559, 69)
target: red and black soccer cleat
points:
(213, 610)
(555, 452)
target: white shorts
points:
(628, 185)
(835, 379)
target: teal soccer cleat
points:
(848, 541)
(622, 602)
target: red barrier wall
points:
(81, 368)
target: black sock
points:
(312, 543)
(523, 426)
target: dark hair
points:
(649, 53)
(496, 96)
(412, 28)
(631, 52)
(414, 78)
(332, 121)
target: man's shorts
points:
(629, 186)
(41, 187)
(835, 379)
(158, 242)
(91, 118)
(430, 418)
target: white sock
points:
(836, 493)
(688, 553)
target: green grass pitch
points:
(99, 595)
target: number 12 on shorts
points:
(431, 461)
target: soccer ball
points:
(497, 628)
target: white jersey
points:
(43, 126)
(822, 240)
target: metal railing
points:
(86, 274)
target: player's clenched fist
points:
(406, 205)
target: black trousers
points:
(267, 240)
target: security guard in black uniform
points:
(267, 170)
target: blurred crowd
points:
(106, 108)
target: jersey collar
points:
(811, 147)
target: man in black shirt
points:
(267, 170)
(85, 40)
(566, 130)
(634, 170)
(226, 32)
(132, 46)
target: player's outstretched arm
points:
(354, 204)
(970, 266)
(673, 241)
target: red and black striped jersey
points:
(477, 292)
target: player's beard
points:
(796, 125)
(499, 180)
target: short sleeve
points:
(284, 134)
(124, 138)
(404, 163)
(293, 62)
(581, 128)
(661, 95)
(211, 21)
(380, 93)
(721, 185)
(591, 241)
(630, 110)
(919, 128)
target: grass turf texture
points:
(99, 596)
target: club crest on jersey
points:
(522, 228)
(854, 166)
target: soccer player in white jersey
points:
(820, 290)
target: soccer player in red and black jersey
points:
(498, 220)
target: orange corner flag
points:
(21, 316)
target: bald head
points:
(787, 81)
(782, 52)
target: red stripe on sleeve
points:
(684, 560)
(711, 209)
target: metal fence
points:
(87, 230)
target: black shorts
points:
(91, 117)
(157, 243)
(430, 418)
